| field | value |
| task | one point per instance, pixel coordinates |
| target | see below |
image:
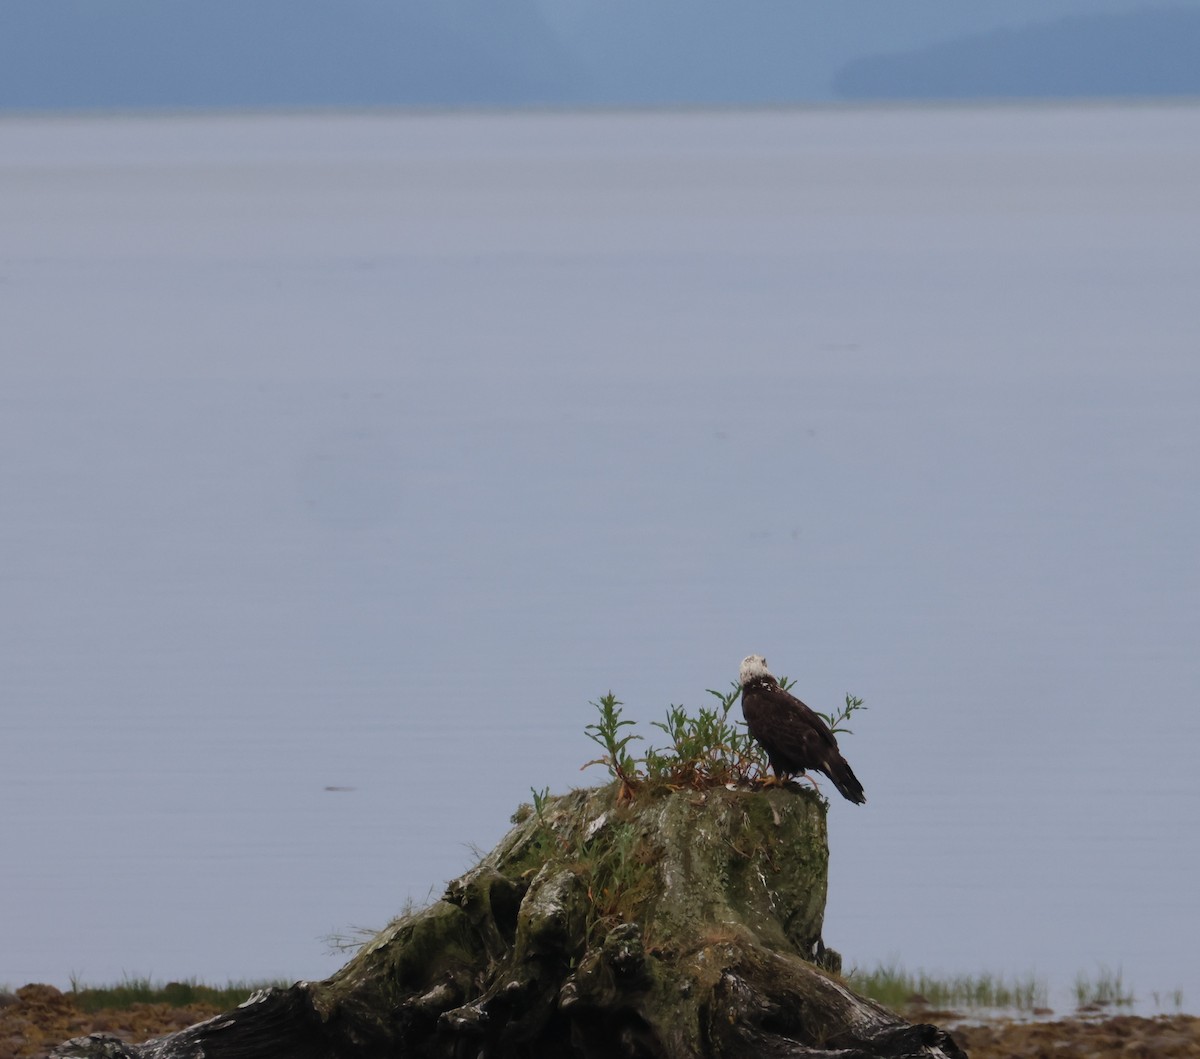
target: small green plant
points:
(545, 825)
(607, 734)
(835, 720)
(539, 803)
(705, 750)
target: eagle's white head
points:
(753, 667)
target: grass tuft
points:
(1172, 1000)
(1107, 989)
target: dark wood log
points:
(676, 925)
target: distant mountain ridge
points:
(1144, 53)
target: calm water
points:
(362, 451)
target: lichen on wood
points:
(671, 925)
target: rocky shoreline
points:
(1127, 1036)
(37, 1017)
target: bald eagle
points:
(795, 738)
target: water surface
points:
(362, 451)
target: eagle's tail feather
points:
(845, 781)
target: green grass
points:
(1107, 989)
(895, 987)
(890, 984)
(132, 991)
(1172, 1001)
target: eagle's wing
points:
(800, 716)
(792, 734)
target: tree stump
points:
(668, 926)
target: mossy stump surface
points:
(670, 925)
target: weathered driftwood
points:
(674, 925)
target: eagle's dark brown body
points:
(795, 738)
